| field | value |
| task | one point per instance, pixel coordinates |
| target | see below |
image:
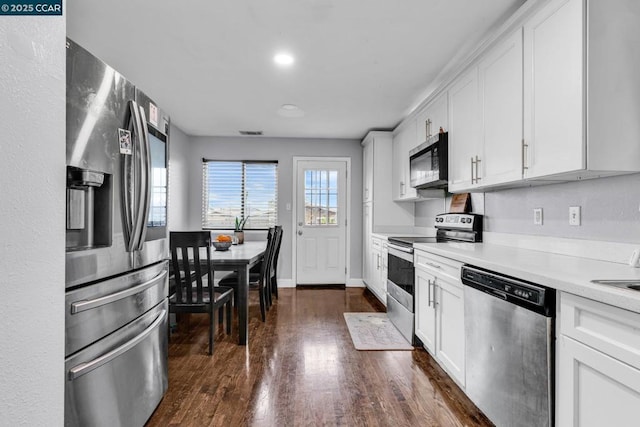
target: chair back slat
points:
(276, 250)
(266, 266)
(187, 269)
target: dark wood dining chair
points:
(259, 281)
(191, 294)
(273, 280)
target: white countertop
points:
(562, 272)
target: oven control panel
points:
(459, 221)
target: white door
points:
(321, 222)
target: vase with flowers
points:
(239, 229)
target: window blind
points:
(240, 189)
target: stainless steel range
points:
(401, 273)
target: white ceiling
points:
(360, 64)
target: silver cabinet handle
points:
(402, 188)
(478, 169)
(472, 163)
(524, 162)
(432, 264)
(85, 305)
(85, 368)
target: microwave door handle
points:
(145, 179)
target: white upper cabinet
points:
(433, 117)
(367, 172)
(464, 135)
(404, 140)
(553, 90)
(555, 97)
(500, 77)
(377, 185)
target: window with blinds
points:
(239, 189)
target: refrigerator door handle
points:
(84, 368)
(145, 178)
(139, 178)
(85, 305)
(127, 192)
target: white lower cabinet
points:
(376, 273)
(439, 312)
(425, 309)
(598, 372)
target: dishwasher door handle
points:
(497, 294)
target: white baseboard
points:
(285, 283)
(355, 283)
(351, 283)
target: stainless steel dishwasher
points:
(509, 348)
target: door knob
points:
(299, 232)
(300, 223)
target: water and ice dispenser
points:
(88, 209)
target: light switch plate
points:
(574, 215)
(537, 216)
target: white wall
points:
(32, 218)
(178, 216)
(283, 150)
(610, 209)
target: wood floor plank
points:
(301, 369)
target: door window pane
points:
(321, 197)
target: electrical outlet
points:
(537, 216)
(574, 215)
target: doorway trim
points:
(294, 215)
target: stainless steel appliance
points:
(401, 273)
(509, 348)
(116, 247)
(429, 162)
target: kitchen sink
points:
(627, 284)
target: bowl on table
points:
(221, 246)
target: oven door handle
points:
(401, 248)
(404, 255)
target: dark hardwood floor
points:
(301, 369)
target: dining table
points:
(240, 258)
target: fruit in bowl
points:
(222, 242)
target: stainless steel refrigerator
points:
(116, 336)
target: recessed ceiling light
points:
(290, 110)
(283, 59)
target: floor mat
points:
(374, 331)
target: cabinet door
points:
(366, 243)
(437, 113)
(553, 89)
(450, 328)
(403, 142)
(367, 170)
(595, 389)
(500, 75)
(376, 264)
(463, 131)
(425, 312)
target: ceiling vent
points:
(251, 132)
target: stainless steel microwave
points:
(429, 162)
